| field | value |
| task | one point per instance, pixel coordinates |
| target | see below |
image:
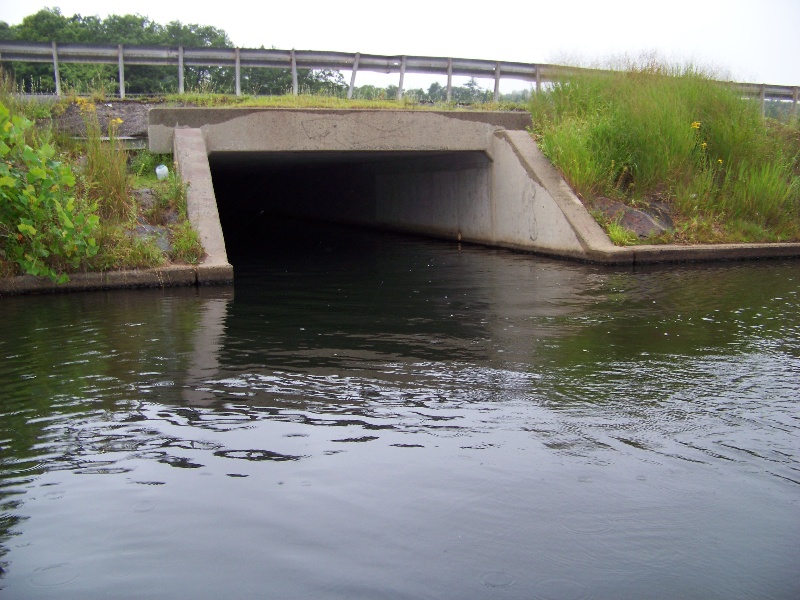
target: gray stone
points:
(645, 222)
(160, 234)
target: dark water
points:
(380, 417)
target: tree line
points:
(50, 25)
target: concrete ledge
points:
(712, 252)
(308, 129)
(214, 274)
(178, 275)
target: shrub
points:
(44, 228)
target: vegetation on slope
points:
(68, 205)
(658, 134)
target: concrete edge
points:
(162, 277)
(164, 120)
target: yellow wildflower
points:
(116, 121)
(696, 125)
(719, 160)
(704, 145)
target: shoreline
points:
(221, 273)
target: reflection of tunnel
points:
(396, 190)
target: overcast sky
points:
(746, 40)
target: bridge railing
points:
(238, 58)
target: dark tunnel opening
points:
(260, 194)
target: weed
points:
(121, 249)
(105, 176)
(45, 229)
(18, 104)
(186, 246)
(143, 163)
(621, 236)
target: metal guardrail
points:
(238, 58)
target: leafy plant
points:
(44, 228)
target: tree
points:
(437, 92)
(50, 25)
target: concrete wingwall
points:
(493, 198)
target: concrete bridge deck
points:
(470, 176)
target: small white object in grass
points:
(162, 172)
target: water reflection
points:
(381, 417)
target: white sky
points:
(756, 41)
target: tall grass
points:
(673, 134)
(106, 179)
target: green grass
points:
(673, 134)
(320, 101)
(106, 179)
(186, 246)
(121, 250)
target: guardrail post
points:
(180, 69)
(295, 91)
(353, 76)
(496, 81)
(121, 73)
(538, 80)
(238, 70)
(56, 74)
(402, 76)
(449, 80)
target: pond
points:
(372, 416)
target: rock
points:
(145, 198)
(161, 235)
(645, 222)
(641, 223)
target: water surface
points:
(372, 416)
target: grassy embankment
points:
(673, 135)
(68, 205)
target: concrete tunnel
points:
(474, 176)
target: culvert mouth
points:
(398, 191)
